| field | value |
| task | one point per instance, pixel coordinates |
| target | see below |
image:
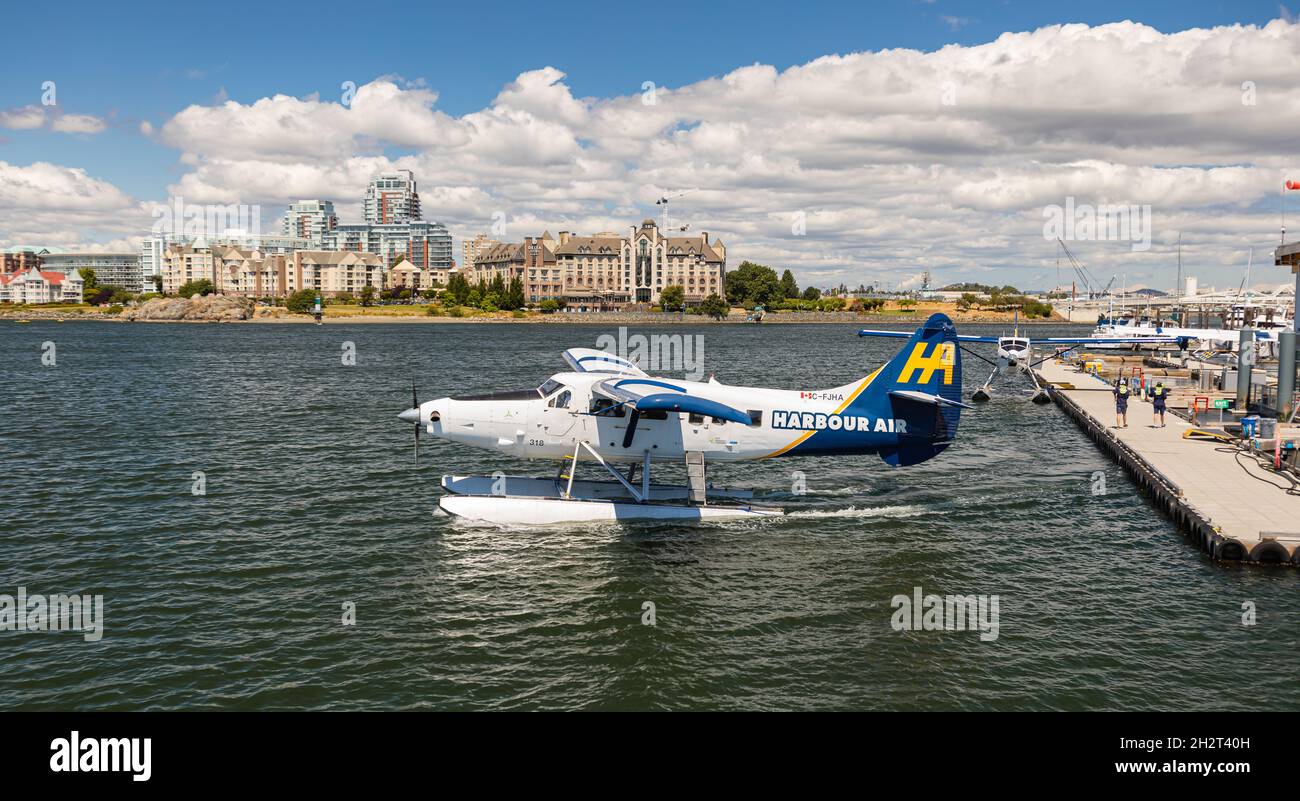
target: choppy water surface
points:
(234, 599)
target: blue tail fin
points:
(921, 385)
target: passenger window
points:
(601, 406)
(717, 421)
(755, 417)
(696, 419)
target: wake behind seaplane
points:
(1015, 352)
(607, 411)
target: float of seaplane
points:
(605, 413)
(1015, 354)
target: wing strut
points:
(632, 420)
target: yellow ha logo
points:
(940, 358)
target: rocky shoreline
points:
(226, 309)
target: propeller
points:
(415, 404)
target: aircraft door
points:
(557, 416)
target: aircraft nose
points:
(411, 415)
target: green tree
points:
(458, 289)
(752, 284)
(367, 295)
(200, 287)
(812, 293)
(715, 307)
(514, 296)
(88, 281)
(789, 288)
(303, 301)
(549, 306)
(673, 298)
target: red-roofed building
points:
(35, 286)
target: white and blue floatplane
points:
(605, 411)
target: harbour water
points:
(234, 599)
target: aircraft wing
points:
(1037, 341)
(646, 394)
(1105, 340)
(589, 360)
(867, 332)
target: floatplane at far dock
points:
(606, 413)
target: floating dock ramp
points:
(1224, 500)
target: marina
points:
(1224, 498)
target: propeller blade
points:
(415, 404)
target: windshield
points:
(550, 386)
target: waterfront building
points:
(331, 272)
(406, 275)
(391, 197)
(231, 269)
(471, 248)
(595, 271)
(691, 262)
(266, 243)
(152, 249)
(502, 259)
(532, 261)
(607, 270)
(310, 220)
(111, 269)
(426, 244)
(19, 259)
(36, 286)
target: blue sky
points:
(147, 60)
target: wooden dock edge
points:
(1169, 498)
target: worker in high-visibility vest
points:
(1121, 403)
(1158, 397)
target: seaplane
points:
(1015, 354)
(607, 413)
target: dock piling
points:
(1245, 365)
(1286, 375)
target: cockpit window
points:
(550, 386)
(561, 401)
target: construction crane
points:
(663, 201)
(1086, 278)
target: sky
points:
(855, 143)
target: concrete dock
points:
(1226, 502)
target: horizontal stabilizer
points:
(925, 397)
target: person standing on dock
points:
(1121, 403)
(1158, 397)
